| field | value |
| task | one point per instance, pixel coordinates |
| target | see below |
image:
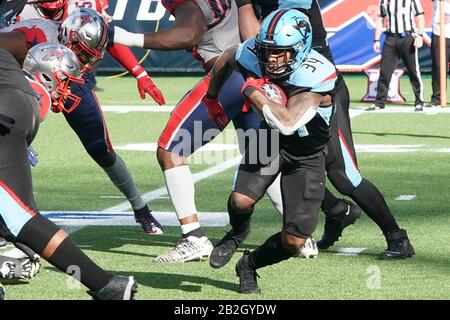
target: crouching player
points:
(55, 67)
(280, 53)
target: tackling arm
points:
(248, 23)
(185, 34)
(221, 71)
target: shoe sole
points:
(409, 255)
(155, 233)
(198, 257)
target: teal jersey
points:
(315, 74)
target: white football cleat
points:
(2, 292)
(188, 249)
(309, 249)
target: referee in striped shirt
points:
(402, 40)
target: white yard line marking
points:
(407, 109)
(387, 148)
(406, 197)
(349, 251)
(112, 197)
(73, 221)
(199, 176)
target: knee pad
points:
(302, 225)
(342, 182)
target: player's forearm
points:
(378, 28)
(421, 23)
(14, 42)
(125, 57)
(248, 23)
(170, 39)
(221, 71)
(260, 101)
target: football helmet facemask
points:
(56, 67)
(86, 33)
(54, 10)
(283, 42)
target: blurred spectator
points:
(402, 41)
(435, 60)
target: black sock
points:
(198, 233)
(329, 201)
(37, 233)
(372, 202)
(271, 252)
(239, 221)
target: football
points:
(274, 93)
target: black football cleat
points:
(118, 288)
(2, 242)
(147, 221)
(247, 276)
(337, 219)
(399, 246)
(224, 250)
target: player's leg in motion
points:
(18, 214)
(188, 128)
(343, 173)
(88, 123)
(340, 213)
(302, 185)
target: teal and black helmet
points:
(284, 30)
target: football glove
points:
(216, 112)
(254, 83)
(22, 268)
(146, 85)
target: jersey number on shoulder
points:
(83, 4)
(311, 63)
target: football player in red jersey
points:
(206, 28)
(54, 67)
(87, 118)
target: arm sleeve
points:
(126, 58)
(417, 7)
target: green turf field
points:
(67, 179)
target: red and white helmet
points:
(55, 67)
(53, 10)
(86, 33)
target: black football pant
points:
(397, 47)
(435, 67)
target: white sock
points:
(181, 191)
(186, 228)
(274, 194)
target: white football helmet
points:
(55, 67)
(86, 33)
